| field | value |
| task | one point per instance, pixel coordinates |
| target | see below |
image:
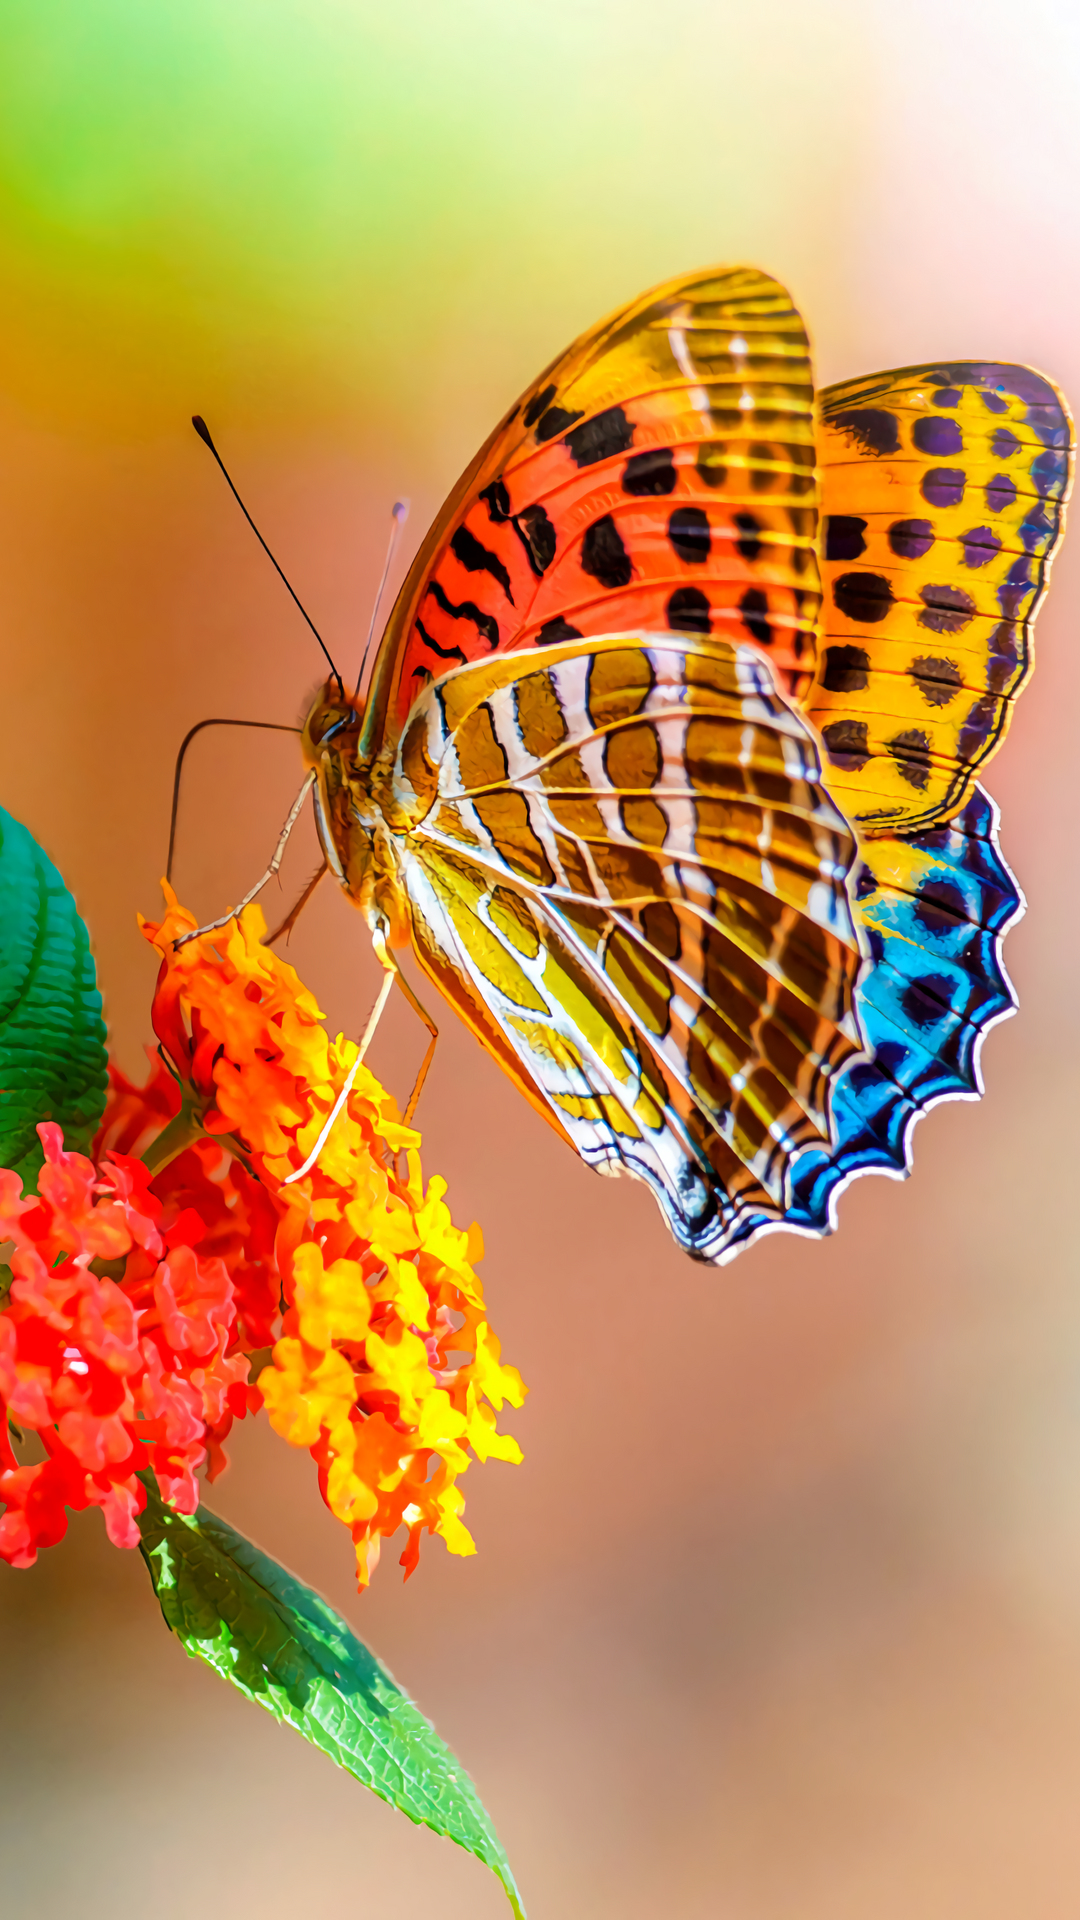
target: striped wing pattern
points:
(622, 866)
(944, 489)
(659, 475)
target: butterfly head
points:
(330, 717)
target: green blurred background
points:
(780, 1619)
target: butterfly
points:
(667, 767)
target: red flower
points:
(115, 1374)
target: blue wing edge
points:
(934, 908)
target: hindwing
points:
(935, 907)
(621, 861)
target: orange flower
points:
(386, 1367)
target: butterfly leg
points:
(297, 909)
(294, 814)
(388, 961)
(418, 1084)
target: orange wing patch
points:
(660, 475)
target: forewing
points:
(943, 493)
(622, 853)
(659, 475)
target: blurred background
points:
(780, 1619)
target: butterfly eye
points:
(323, 725)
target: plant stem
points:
(181, 1132)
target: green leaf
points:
(52, 1037)
(286, 1648)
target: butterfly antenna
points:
(203, 432)
(399, 516)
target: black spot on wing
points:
(476, 558)
(865, 597)
(748, 544)
(911, 752)
(601, 438)
(538, 405)
(873, 429)
(555, 630)
(844, 536)
(555, 421)
(532, 526)
(939, 681)
(497, 500)
(537, 536)
(468, 610)
(939, 905)
(847, 670)
(926, 1001)
(946, 609)
(688, 531)
(846, 743)
(649, 473)
(688, 611)
(603, 555)
(754, 607)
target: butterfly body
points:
(700, 861)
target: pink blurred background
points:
(780, 1619)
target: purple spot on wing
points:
(938, 438)
(1037, 530)
(1050, 472)
(946, 397)
(1004, 443)
(944, 486)
(995, 403)
(1016, 589)
(1000, 492)
(980, 544)
(1003, 656)
(911, 539)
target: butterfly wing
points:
(935, 907)
(621, 863)
(943, 495)
(659, 475)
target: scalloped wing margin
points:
(935, 907)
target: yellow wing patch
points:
(943, 495)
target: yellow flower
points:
(380, 1289)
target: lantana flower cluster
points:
(162, 1276)
(117, 1346)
